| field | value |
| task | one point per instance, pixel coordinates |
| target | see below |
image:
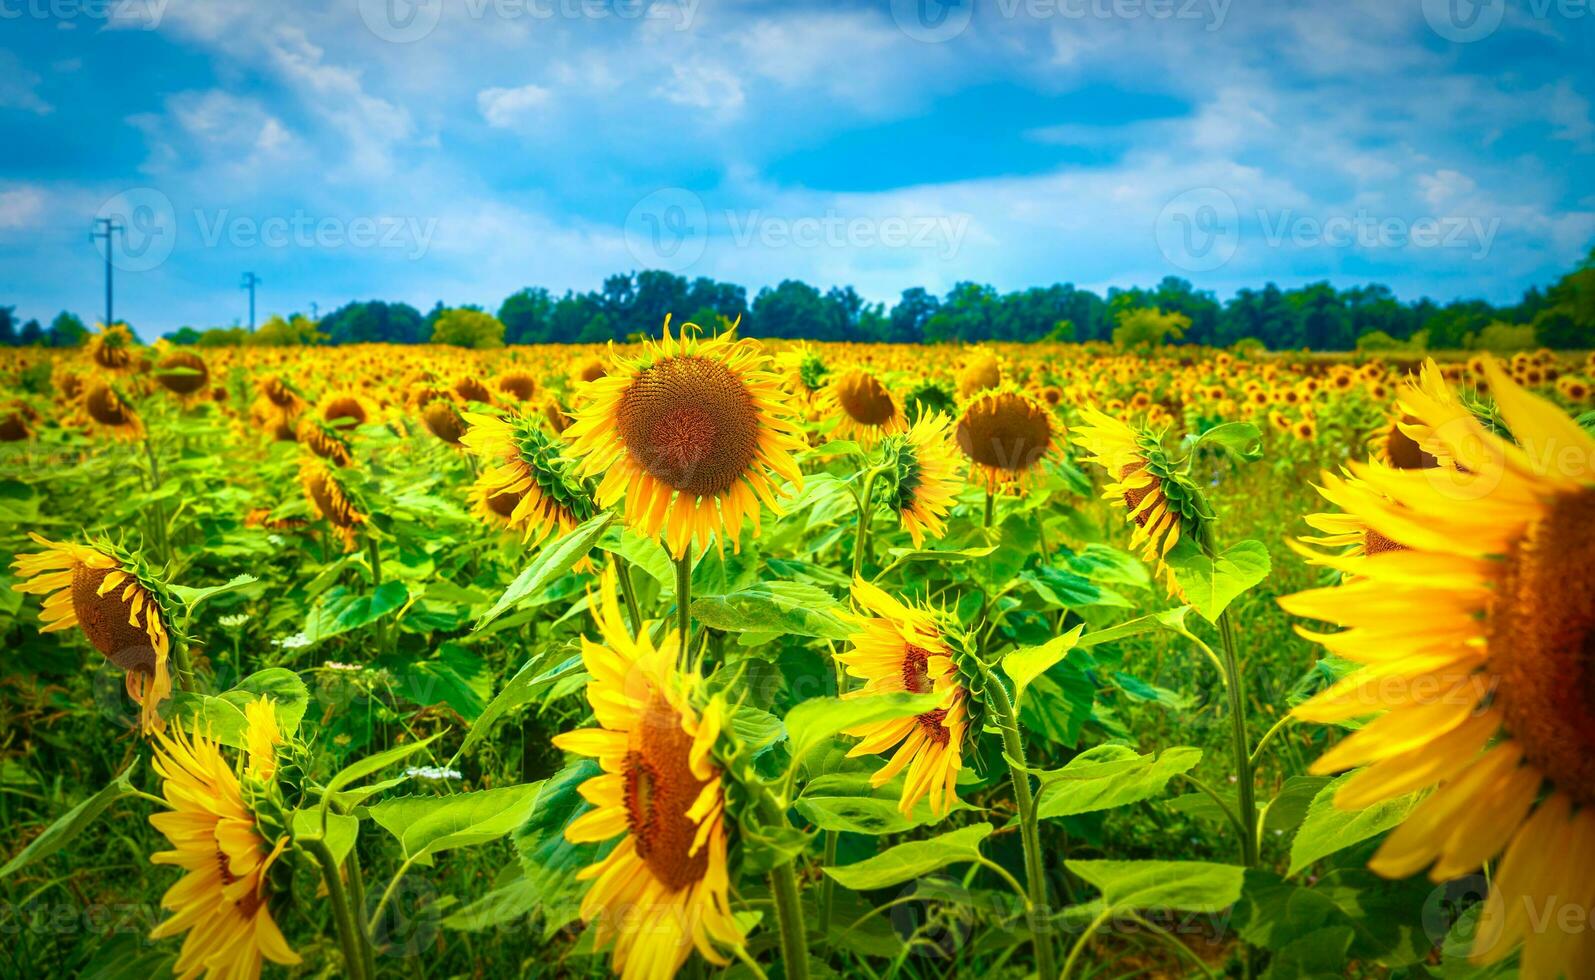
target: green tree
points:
(66, 330)
(295, 331)
(1148, 327)
(528, 317)
(465, 327)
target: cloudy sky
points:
(457, 150)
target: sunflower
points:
(443, 420)
(223, 900)
(864, 409)
(17, 421)
(1005, 434)
(525, 483)
(122, 607)
(519, 385)
(925, 465)
(1476, 636)
(1163, 505)
(1342, 530)
(112, 412)
(331, 500)
(345, 409)
(325, 441)
(899, 648)
(805, 370)
(111, 347)
(663, 889)
(282, 393)
(183, 373)
(981, 371)
(693, 433)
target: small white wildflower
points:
(277, 540)
(335, 665)
(235, 619)
(296, 642)
(434, 773)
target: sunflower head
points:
(930, 396)
(519, 385)
(123, 608)
(112, 347)
(526, 483)
(345, 409)
(112, 412)
(693, 433)
(17, 421)
(282, 393)
(981, 371)
(864, 409)
(469, 388)
(183, 373)
(444, 420)
(332, 499)
(925, 474)
(325, 441)
(1005, 434)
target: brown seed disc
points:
(104, 619)
(1005, 432)
(660, 787)
(690, 422)
(865, 399)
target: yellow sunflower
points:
(899, 648)
(112, 347)
(112, 412)
(1145, 483)
(925, 463)
(120, 605)
(865, 411)
(692, 433)
(525, 483)
(1476, 638)
(331, 500)
(1006, 434)
(223, 900)
(325, 441)
(663, 890)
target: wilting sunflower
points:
(282, 393)
(898, 648)
(218, 838)
(443, 419)
(1005, 435)
(663, 889)
(1162, 504)
(184, 374)
(331, 499)
(123, 608)
(526, 484)
(864, 410)
(112, 347)
(1476, 636)
(926, 476)
(112, 412)
(325, 441)
(693, 433)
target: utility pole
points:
(107, 228)
(315, 311)
(250, 282)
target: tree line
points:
(1316, 316)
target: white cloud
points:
(703, 87)
(18, 85)
(21, 208)
(505, 107)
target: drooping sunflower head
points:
(332, 499)
(1006, 434)
(443, 419)
(864, 409)
(282, 393)
(184, 374)
(123, 608)
(346, 409)
(470, 388)
(225, 840)
(1476, 634)
(325, 441)
(929, 396)
(981, 371)
(112, 347)
(526, 484)
(519, 385)
(663, 889)
(1157, 496)
(112, 412)
(692, 433)
(925, 476)
(17, 421)
(897, 648)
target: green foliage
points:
(1140, 327)
(464, 327)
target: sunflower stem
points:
(789, 914)
(349, 938)
(629, 589)
(1235, 683)
(991, 507)
(866, 510)
(160, 508)
(684, 602)
(1013, 747)
(374, 556)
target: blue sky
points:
(457, 150)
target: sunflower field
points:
(707, 656)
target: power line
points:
(107, 228)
